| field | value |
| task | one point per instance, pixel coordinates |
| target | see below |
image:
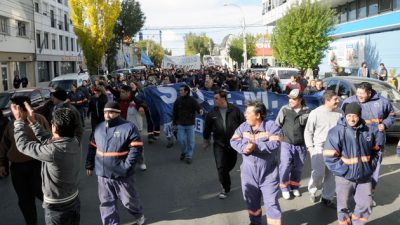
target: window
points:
(72, 44)
(56, 69)
(53, 41)
(20, 69)
(352, 11)
(362, 9)
(45, 8)
(77, 45)
(343, 13)
(65, 22)
(38, 41)
(396, 4)
(344, 90)
(44, 72)
(67, 67)
(59, 1)
(332, 85)
(46, 40)
(21, 29)
(66, 43)
(60, 41)
(385, 5)
(36, 98)
(37, 7)
(372, 7)
(52, 20)
(3, 25)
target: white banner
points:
(348, 53)
(209, 60)
(184, 62)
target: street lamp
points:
(243, 34)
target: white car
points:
(283, 73)
(65, 81)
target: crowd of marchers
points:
(42, 151)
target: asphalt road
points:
(174, 193)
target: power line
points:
(201, 27)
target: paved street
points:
(174, 193)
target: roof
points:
(263, 52)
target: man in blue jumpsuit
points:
(258, 141)
(377, 112)
(352, 153)
(114, 149)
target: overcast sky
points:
(194, 13)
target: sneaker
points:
(223, 194)
(328, 203)
(286, 195)
(182, 157)
(296, 193)
(313, 197)
(143, 167)
(139, 221)
(188, 161)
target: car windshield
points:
(286, 74)
(5, 100)
(64, 84)
(385, 90)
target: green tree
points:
(195, 44)
(130, 21)
(302, 35)
(236, 48)
(93, 25)
(154, 50)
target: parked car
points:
(120, 72)
(38, 96)
(137, 69)
(283, 73)
(347, 86)
(65, 81)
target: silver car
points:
(346, 87)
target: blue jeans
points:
(63, 214)
(186, 140)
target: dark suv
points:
(38, 96)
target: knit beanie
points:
(112, 107)
(353, 108)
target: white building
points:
(17, 43)
(367, 31)
(57, 49)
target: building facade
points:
(17, 42)
(367, 31)
(57, 48)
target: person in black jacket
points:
(292, 119)
(96, 106)
(222, 121)
(183, 117)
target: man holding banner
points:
(222, 121)
(183, 117)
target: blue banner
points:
(160, 100)
(145, 59)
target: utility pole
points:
(160, 38)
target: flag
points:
(145, 59)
